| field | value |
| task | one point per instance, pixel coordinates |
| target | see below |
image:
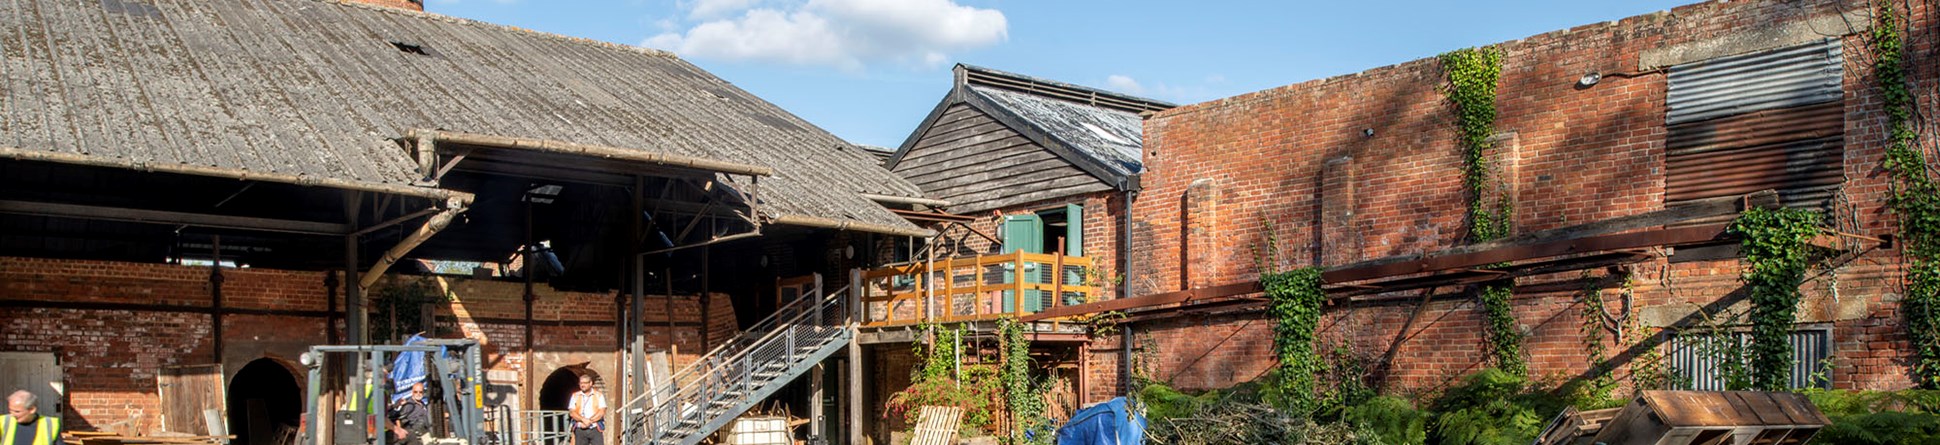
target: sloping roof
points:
(1095, 130)
(318, 89)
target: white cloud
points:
(1124, 84)
(708, 9)
(848, 34)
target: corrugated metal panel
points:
(1785, 77)
(1798, 151)
(1694, 358)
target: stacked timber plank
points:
(1693, 418)
(937, 425)
(107, 438)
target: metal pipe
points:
(891, 199)
(704, 243)
(826, 223)
(1125, 291)
(431, 227)
(597, 151)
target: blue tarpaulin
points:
(407, 369)
(1109, 423)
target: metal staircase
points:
(732, 378)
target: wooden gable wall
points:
(978, 164)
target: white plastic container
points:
(759, 431)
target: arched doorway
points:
(556, 394)
(265, 403)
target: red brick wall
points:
(1218, 173)
(113, 326)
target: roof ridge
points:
(537, 33)
(1037, 86)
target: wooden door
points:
(36, 372)
(187, 393)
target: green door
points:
(1021, 232)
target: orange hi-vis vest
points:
(47, 430)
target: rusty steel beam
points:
(1445, 261)
(1347, 276)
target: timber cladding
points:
(113, 328)
(1300, 158)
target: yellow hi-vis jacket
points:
(47, 430)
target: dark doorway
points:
(265, 404)
(556, 394)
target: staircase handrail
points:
(743, 338)
(731, 358)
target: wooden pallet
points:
(937, 425)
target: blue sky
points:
(869, 70)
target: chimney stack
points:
(414, 5)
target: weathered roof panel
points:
(318, 89)
(1110, 137)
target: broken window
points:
(1773, 119)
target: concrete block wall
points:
(1219, 173)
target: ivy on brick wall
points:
(1916, 200)
(1293, 303)
(1022, 397)
(1774, 242)
(1472, 74)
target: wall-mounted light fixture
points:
(1589, 79)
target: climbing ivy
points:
(1916, 200)
(940, 357)
(1774, 242)
(1025, 403)
(1598, 387)
(1293, 302)
(1472, 75)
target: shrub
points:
(1492, 407)
(1388, 420)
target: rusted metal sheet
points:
(1779, 78)
(1797, 151)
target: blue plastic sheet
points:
(1109, 423)
(407, 369)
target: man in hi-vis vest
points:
(23, 425)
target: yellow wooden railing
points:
(982, 287)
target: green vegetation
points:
(1916, 200)
(1472, 75)
(1774, 243)
(1294, 300)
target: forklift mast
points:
(454, 362)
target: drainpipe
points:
(438, 222)
(1125, 291)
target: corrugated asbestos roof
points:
(318, 89)
(1110, 137)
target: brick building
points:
(1012, 164)
(192, 193)
(1596, 122)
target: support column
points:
(215, 297)
(707, 296)
(817, 419)
(638, 270)
(854, 379)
